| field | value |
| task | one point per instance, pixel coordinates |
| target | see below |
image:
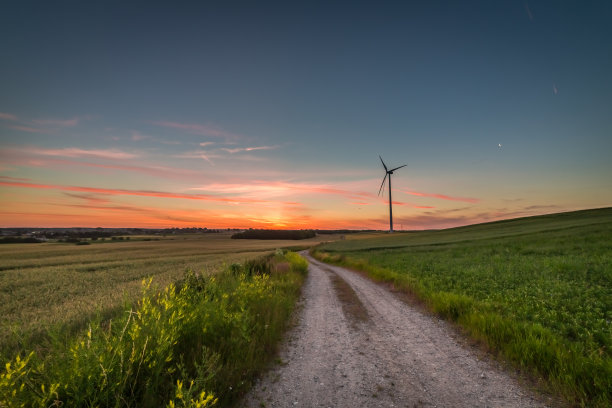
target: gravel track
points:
(394, 357)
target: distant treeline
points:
(274, 234)
(83, 233)
(19, 240)
(73, 236)
(341, 231)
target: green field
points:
(64, 286)
(537, 290)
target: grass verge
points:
(196, 343)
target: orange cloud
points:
(401, 203)
(444, 197)
(121, 217)
(142, 193)
(98, 209)
(275, 188)
(133, 216)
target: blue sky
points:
(299, 100)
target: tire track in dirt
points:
(388, 354)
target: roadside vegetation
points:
(536, 290)
(195, 343)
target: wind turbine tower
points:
(382, 187)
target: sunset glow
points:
(274, 117)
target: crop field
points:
(198, 342)
(537, 290)
(63, 286)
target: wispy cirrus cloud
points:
(170, 142)
(142, 193)
(443, 197)
(199, 129)
(198, 154)
(248, 149)
(528, 10)
(210, 155)
(138, 136)
(28, 129)
(16, 158)
(7, 178)
(90, 198)
(7, 116)
(57, 122)
(77, 152)
(48, 125)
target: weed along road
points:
(357, 345)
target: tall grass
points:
(196, 343)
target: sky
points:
(273, 115)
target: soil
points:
(356, 344)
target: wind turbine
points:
(382, 186)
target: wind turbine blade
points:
(382, 185)
(398, 167)
(384, 165)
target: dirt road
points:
(358, 345)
